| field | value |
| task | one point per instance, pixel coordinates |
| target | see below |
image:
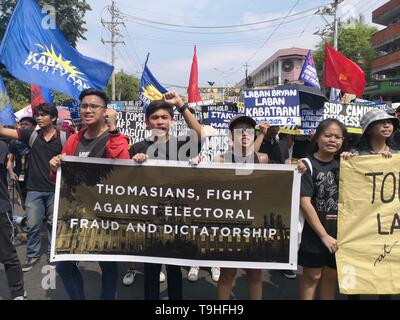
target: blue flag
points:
(7, 117)
(309, 73)
(150, 88)
(46, 94)
(38, 54)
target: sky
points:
(169, 29)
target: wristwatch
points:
(116, 131)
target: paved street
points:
(276, 286)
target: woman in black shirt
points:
(319, 204)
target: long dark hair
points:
(323, 125)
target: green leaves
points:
(127, 87)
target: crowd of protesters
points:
(31, 153)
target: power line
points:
(215, 33)
(255, 40)
(152, 12)
(133, 47)
(216, 27)
(272, 33)
(302, 33)
(127, 60)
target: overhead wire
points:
(216, 27)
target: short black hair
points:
(29, 119)
(94, 92)
(47, 108)
(156, 105)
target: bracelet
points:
(116, 131)
(182, 109)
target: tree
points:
(354, 42)
(69, 18)
(127, 87)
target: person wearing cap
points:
(242, 134)
(278, 153)
(378, 128)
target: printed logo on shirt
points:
(326, 191)
(84, 154)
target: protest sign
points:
(278, 107)
(74, 109)
(213, 147)
(170, 212)
(368, 259)
(133, 125)
(310, 118)
(348, 114)
(219, 117)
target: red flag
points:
(193, 89)
(36, 97)
(340, 72)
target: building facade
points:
(284, 65)
(386, 67)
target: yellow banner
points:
(368, 259)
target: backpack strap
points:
(32, 138)
(34, 135)
(63, 137)
(308, 164)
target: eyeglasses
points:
(92, 106)
(243, 130)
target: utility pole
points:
(336, 23)
(246, 74)
(330, 28)
(112, 26)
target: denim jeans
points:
(38, 207)
(73, 281)
(152, 282)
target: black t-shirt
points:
(364, 148)
(95, 148)
(323, 188)
(396, 138)
(176, 148)
(300, 148)
(5, 204)
(276, 153)
(40, 155)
